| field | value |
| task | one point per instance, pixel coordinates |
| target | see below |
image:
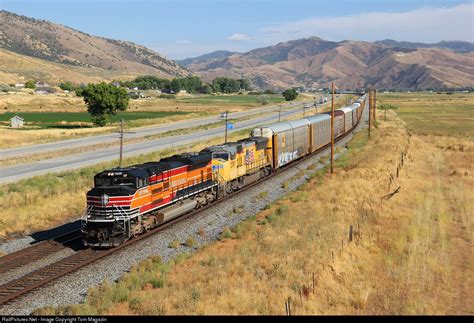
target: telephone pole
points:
(375, 107)
(332, 129)
(370, 105)
(226, 114)
(122, 132)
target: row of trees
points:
(192, 84)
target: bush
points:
(226, 234)
(263, 99)
(190, 242)
(66, 86)
(30, 84)
(263, 194)
(175, 244)
(239, 209)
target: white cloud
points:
(425, 25)
(184, 42)
(239, 37)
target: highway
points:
(70, 162)
(138, 132)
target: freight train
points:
(125, 202)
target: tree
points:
(225, 85)
(30, 84)
(205, 89)
(175, 85)
(67, 86)
(104, 100)
(290, 94)
(263, 99)
(245, 84)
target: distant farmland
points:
(49, 118)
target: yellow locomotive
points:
(237, 164)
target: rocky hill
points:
(316, 62)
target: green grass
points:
(56, 117)
(434, 114)
(245, 100)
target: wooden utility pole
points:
(226, 114)
(375, 107)
(121, 143)
(332, 128)
(370, 104)
(121, 132)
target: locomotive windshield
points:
(115, 181)
(224, 156)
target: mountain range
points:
(315, 62)
(39, 49)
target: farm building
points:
(16, 122)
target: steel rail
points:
(37, 251)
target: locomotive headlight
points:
(104, 199)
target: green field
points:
(46, 118)
(245, 100)
(434, 114)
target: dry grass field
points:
(411, 252)
(444, 114)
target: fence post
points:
(313, 283)
(350, 233)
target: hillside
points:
(16, 68)
(315, 62)
(60, 44)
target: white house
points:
(16, 122)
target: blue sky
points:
(181, 28)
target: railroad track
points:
(37, 251)
(17, 288)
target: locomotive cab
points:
(109, 215)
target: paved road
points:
(140, 132)
(15, 173)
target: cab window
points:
(224, 156)
(115, 181)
